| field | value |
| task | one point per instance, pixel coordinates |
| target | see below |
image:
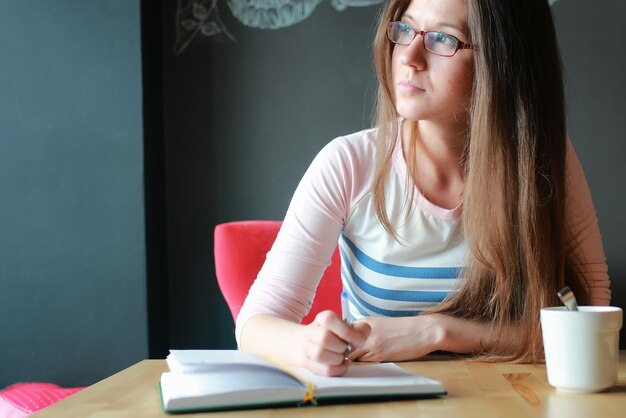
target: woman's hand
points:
(397, 339)
(321, 346)
(409, 338)
(325, 342)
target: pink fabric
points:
(8, 410)
(23, 399)
(585, 240)
(338, 178)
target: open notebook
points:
(210, 380)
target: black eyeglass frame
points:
(459, 43)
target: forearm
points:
(275, 337)
(410, 338)
(320, 346)
(472, 337)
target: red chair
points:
(240, 249)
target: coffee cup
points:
(581, 347)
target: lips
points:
(409, 86)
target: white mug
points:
(581, 347)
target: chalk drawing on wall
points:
(271, 14)
(276, 14)
(197, 18)
(201, 18)
(341, 5)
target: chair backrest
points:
(240, 249)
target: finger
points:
(367, 356)
(363, 328)
(317, 354)
(357, 352)
(340, 328)
(325, 340)
(329, 370)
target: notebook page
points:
(375, 379)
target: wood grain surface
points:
(475, 389)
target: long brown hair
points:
(513, 165)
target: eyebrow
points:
(462, 29)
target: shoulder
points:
(574, 173)
(358, 142)
(355, 151)
(340, 174)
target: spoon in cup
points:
(567, 297)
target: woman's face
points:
(429, 86)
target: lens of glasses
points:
(399, 33)
(440, 43)
(436, 42)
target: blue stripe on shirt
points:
(360, 303)
(389, 294)
(402, 271)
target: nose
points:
(414, 55)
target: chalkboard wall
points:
(243, 120)
(72, 252)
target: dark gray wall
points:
(243, 121)
(72, 252)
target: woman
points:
(458, 217)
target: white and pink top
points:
(383, 277)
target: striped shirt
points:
(386, 277)
(334, 204)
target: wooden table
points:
(475, 389)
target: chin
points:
(413, 111)
(412, 114)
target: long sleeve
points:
(584, 240)
(286, 284)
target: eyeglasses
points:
(439, 43)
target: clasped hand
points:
(327, 339)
